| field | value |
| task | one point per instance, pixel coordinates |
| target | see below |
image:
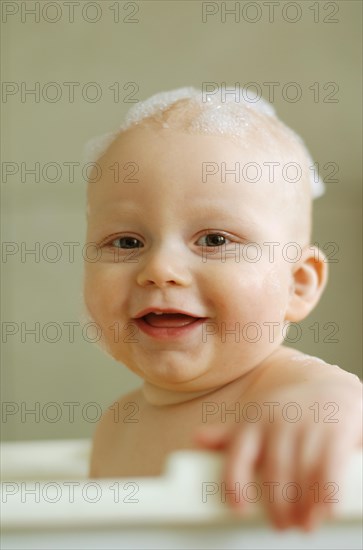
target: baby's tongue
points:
(168, 320)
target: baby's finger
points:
(278, 477)
(321, 476)
(307, 460)
(314, 519)
(240, 466)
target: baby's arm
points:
(311, 452)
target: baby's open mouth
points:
(168, 320)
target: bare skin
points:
(153, 430)
(311, 451)
(133, 428)
(167, 216)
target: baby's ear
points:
(309, 277)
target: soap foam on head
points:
(206, 115)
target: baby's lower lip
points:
(170, 327)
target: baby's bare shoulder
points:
(288, 367)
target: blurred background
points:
(70, 71)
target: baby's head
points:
(203, 208)
(276, 155)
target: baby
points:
(200, 210)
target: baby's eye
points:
(212, 239)
(126, 242)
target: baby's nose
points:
(162, 267)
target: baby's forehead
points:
(265, 140)
(252, 166)
(242, 121)
(264, 164)
(264, 161)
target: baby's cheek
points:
(98, 292)
(89, 287)
(276, 290)
(262, 298)
(273, 305)
(241, 294)
(107, 294)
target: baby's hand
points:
(297, 453)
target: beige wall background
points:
(167, 46)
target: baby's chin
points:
(178, 386)
(172, 373)
(176, 374)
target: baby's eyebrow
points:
(207, 213)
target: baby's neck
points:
(157, 396)
(154, 395)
